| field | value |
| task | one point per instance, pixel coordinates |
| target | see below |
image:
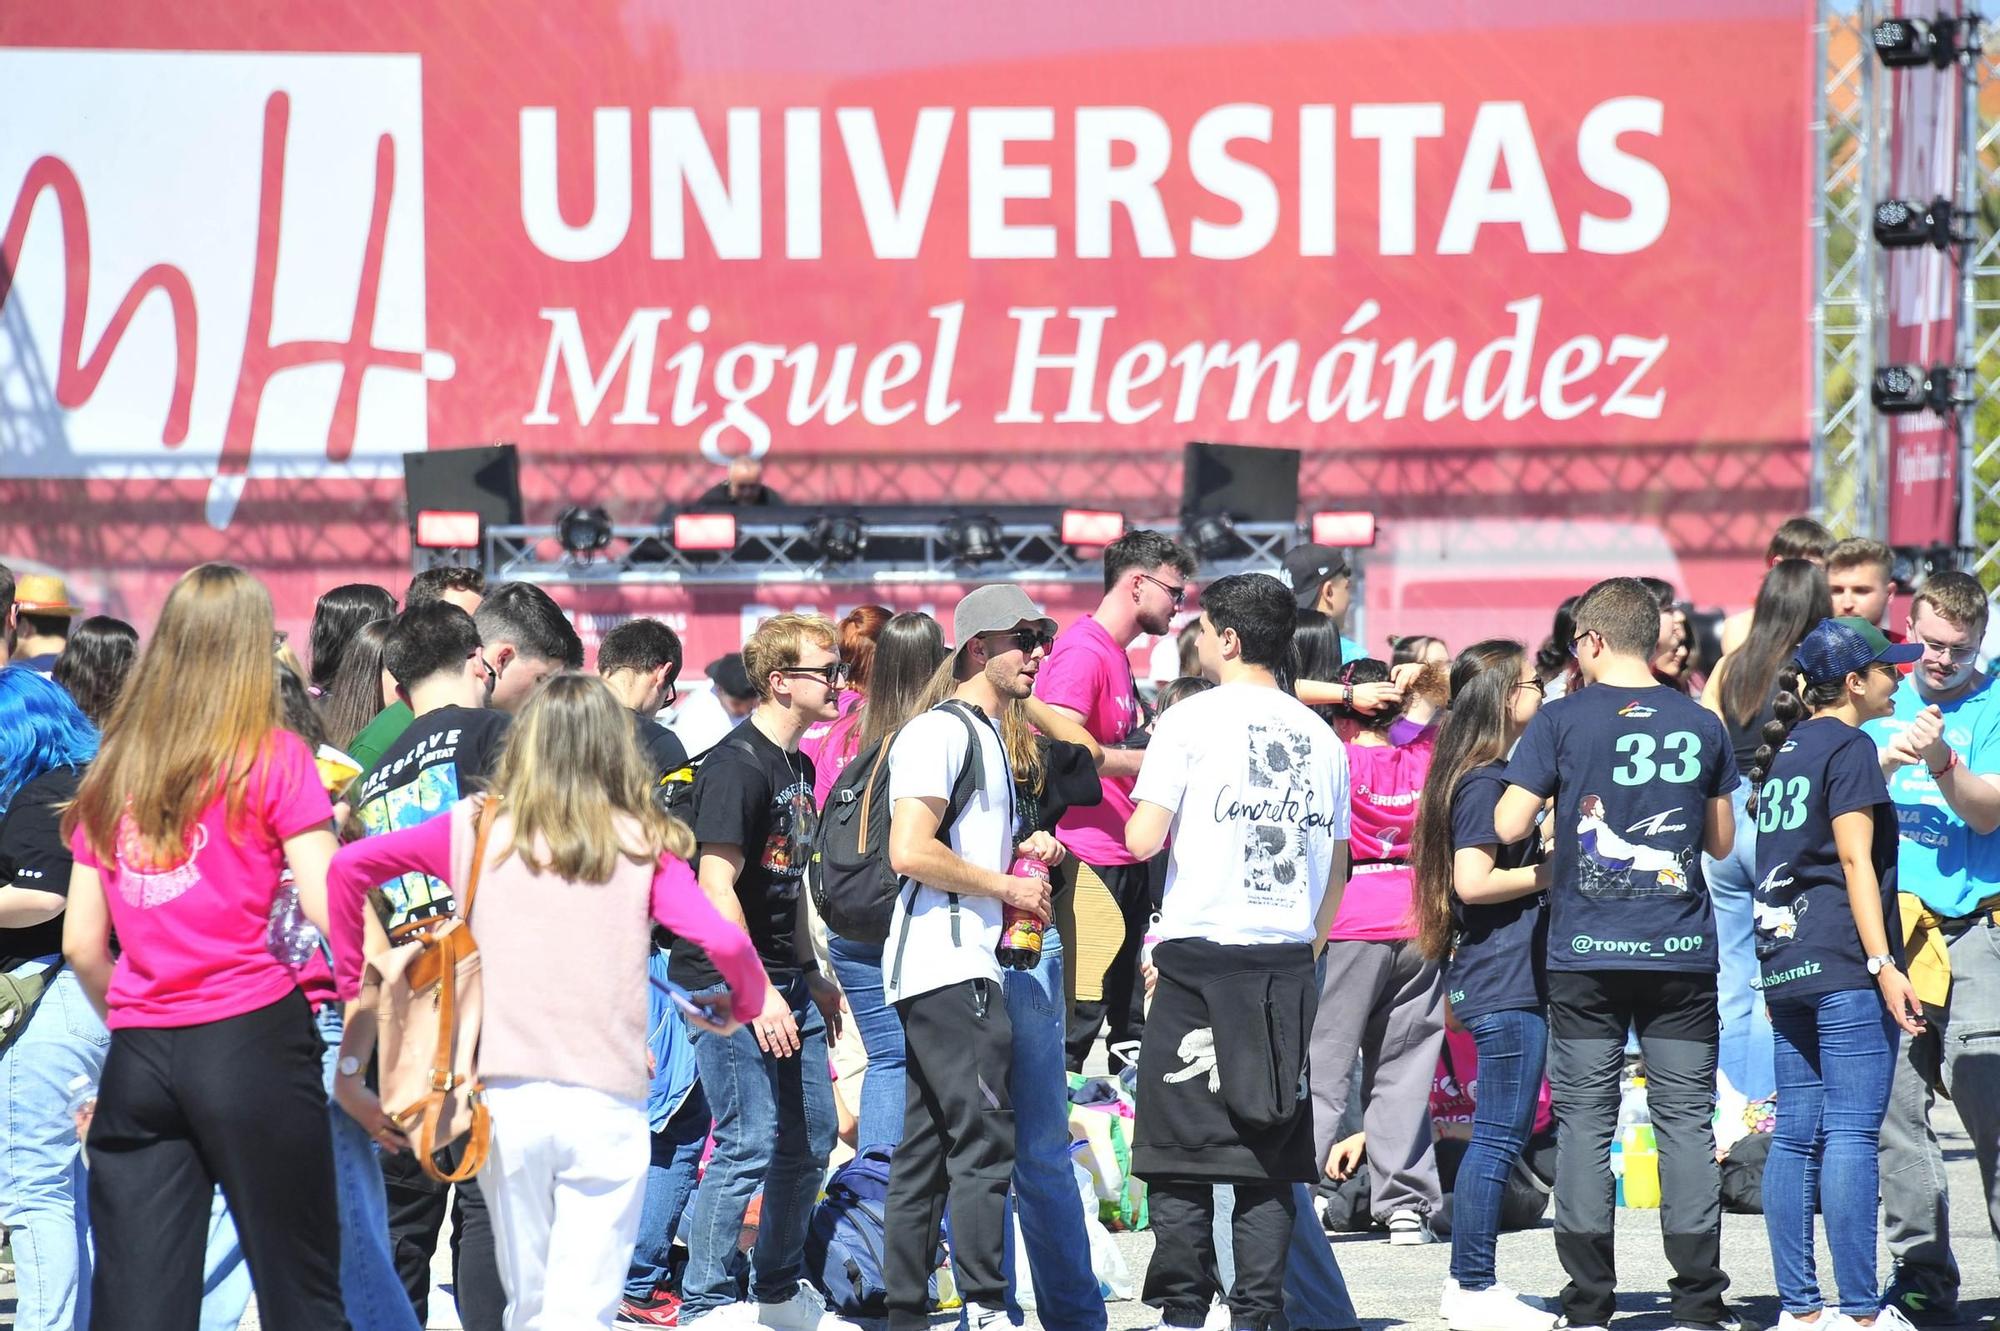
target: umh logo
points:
(213, 266)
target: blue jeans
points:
(1513, 1049)
(1045, 1194)
(369, 1285)
(669, 1183)
(41, 1177)
(858, 967)
(1836, 1055)
(1315, 1292)
(1744, 1057)
(774, 1126)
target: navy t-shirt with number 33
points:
(1807, 943)
(1632, 771)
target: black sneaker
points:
(1920, 1305)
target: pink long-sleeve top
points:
(563, 963)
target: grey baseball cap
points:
(992, 609)
(1306, 568)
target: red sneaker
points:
(663, 1309)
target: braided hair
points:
(1797, 699)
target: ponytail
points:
(1795, 701)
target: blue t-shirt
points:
(1807, 942)
(1632, 771)
(1941, 860)
(1499, 949)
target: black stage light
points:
(837, 537)
(1910, 43)
(1899, 390)
(974, 539)
(1905, 224)
(1213, 536)
(583, 531)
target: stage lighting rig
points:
(1213, 536)
(1906, 224)
(974, 539)
(1899, 390)
(837, 537)
(583, 531)
(1911, 43)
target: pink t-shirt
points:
(1387, 781)
(1089, 674)
(193, 934)
(831, 744)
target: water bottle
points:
(288, 934)
(1634, 1150)
(1150, 941)
(82, 1098)
(1020, 946)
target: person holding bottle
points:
(1831, 964)
(1481, 909)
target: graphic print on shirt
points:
(435, 789)
(1612, 864)
(1197, 1054)
(145, 884)
(788, 846)
(1274, 849)
(1777, 919)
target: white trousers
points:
(564, 1184)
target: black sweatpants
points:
(1674, 1013)
(1181, 1280)
(238, 1102)
(1124, 1001)
(958, 1130)
(417, 1204)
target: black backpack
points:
(853, 887)
(675, 791)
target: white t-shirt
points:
(922, 952)
(1258, 788)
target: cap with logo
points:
(1307, 568)
(1836, 648)
(994, 609)
(43, 594)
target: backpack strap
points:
(489, 810)
(456, 945)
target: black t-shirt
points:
(34, 855)
(751, 794)
(1069, 781)
(1807, 943)
(442, 757)
(664, 751)
(1632, 771)
(1499, 952)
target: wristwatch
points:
(349, 1066)
(1876, 965)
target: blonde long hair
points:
(193, 722)
(1024, 756)
(574, 783)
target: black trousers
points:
(417, 1204)
(1124, 1001)
(1180, 1280)
(238, 1102)
(958, 1133)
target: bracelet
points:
(1951, 761)
(1347, 696)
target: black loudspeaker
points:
(484, 480)
(1240, 482)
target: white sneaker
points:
(1890, 1318)
(1495, 1308)
(978, 1317)
(1824, 1322)
(1444, 1303)
(1409, 1227)
(1217, 1319)
(804, 1311)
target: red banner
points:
(1540, 270)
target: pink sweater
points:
(563, 963)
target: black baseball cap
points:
(1306, 568)
(730, 677)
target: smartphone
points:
(682, 999)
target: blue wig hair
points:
(41, 729)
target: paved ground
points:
(1392, 1288)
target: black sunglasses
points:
(1026, 639)
(830, 675)
(1179, 594)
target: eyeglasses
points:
(1577, 641)
(1955, 655)
(1178, 594)
(831, 674)
(1027, 639)
(1534, 682)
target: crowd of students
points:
(1280, 891)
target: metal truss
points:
(775, 552)
(1847, 490)
(1981, 487)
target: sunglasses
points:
(1576, 642)
(1026, 639)
(1178, 594)
(830, 674)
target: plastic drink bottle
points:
(1020, 947)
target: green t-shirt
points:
(376, 737)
